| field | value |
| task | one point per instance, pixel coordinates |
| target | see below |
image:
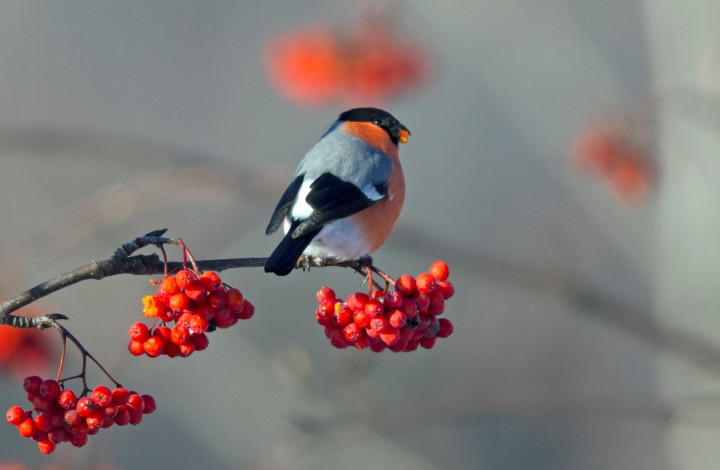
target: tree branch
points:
(123, 261)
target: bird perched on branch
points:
(347, 192)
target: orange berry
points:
(439, 270)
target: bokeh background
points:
(586, 314)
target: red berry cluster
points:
(399, 320)
(627, 168)
(196, 303)
(59, 415)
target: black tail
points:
(282, 261)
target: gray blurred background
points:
(586, 331)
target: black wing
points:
(331, 199)
(286, 201)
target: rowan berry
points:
(179, 301)
(180, 334)
(43, 423)
(196, 291)
(210, 280)
(101, 396)
(352, 332)
(71, 418)
(46, 446)
(15, 415)
(135, 403)
(405, 284)
(162, 332)
(234, 299)
(136, 348)
(120, 395)
(49, 389)
(200, 341)
(154, 346)
(198, 324)
(374, 308)
(123, 415)
(446, 328)
(27, 427)
(247, 312)
(169, 286)
(85, 407)
(361, 318)
(184, 278)
(325, 293)
(341, 315)
(397, 318)
(139, 332)
(439, 270)
(31, 384)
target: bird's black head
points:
(383, 119)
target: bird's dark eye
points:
(377, 121)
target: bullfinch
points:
(346, 194)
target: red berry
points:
(439, 270)
(46, 446)
(325, 293)
(352, 332)
(67, 399)
(217, 299)
(205, 311)
(392, 299)
(49, 389)
(162, 332)
(58, 435)
(154, 346)
(234, 300)
(43, 423)
(323, 316)
(224, 318)
(422, 300)
(71, 418)
(379, 323)
(210, 280)
(425, 282)
(361, 318)
(446, 328)
(123, 415)
(397, 318)
(428, 343)
(410, 308)
(198, 324)
(136, 348)
(389, 336)
(378, 346)
(247, 311)
(184, 278)
(135, 403)
(27, 427)
(357, 301)
(15, 415)
(31, 384)
(43, 404)
(446, 288)
(200, 341)
(179, 302)
(185, 349)
(180, 334)
(79, 440)
(101, 396)
(196, 291)
(374, 308)
(168, 286)
(405, 284)
(85, 407)
(342, 315)
(120, 395)
(94, 422)
(139, 331)
(135, 418)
